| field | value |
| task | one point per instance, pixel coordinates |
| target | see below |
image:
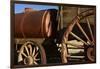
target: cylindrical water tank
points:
(36, 24)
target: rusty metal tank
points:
(35, 24)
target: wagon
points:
(41, 39)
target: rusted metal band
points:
(21, 25)
(43, 23)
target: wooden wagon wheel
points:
(31, 54)
(90, 40)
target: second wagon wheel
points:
(86, 35)
(31, 54)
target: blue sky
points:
(20, 7)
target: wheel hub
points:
(29, 60)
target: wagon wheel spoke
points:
(37, 59)
(24, 54)
(36, 55)
(35, 63)
(30, 47)
(80, 27)
(33, 51)
(74, 35)
(91, 33)
(27, 50)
